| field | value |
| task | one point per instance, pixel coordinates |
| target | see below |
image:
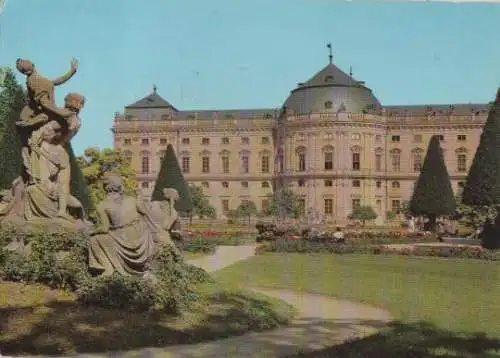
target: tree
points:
(247, 208)
(284, 201)
(78, 184)
(201, 204)
(12, 101)
(170, 176)
(363, 213)
(433, 195)
(482, 187)
(96, 164)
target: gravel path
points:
(321, 322)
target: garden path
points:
(321, 322)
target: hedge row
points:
(59, 260)
(304, 246)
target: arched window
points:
(301, 159)
(396, 160)
(395, 185)
(145, 161)
(225, 184)
(328, 157)
(417, 159)
(328, 105)
(265, 184)
(461, 160)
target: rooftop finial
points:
(330, 55)
(350, 71)
(154, 89)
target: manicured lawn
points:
(37, 320)
(451, 296)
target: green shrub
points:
(303, 246)
(197, 245)
(59, 260)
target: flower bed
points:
(305, 246)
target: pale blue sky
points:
(250, 54)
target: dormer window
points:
(329, 78)
(328, 105)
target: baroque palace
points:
(331, 141)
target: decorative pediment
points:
(395, 151)
(185, 153)
(264, 153)
(379, 150)
(244, 153)
(300, 149)
(144, 153)
(417, 151)
(461, 150)
(327, 149)
(205, 153)
(356, 149)
(224, 153)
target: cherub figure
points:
(41, 98)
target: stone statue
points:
(126, 237)
(41, 195)
(165, 215)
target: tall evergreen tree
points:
(433, 195)
(170, 176)
(482, 187)
(78, 185)
(12, 101)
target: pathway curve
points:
(321, 322)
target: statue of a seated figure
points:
(126, 238)
(165, 215)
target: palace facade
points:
(332, 142)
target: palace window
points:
(245, 164)
(245, 140)
(396, 204)
(145, 184)
(396, 160)
(225, 205)
(417, 160)
(225, 185)
(328, 159)
(225, 140)
(441, 137)
(356, 161)
(205, 141)
(145, 141)
(328, 105)
(396, 138)
(301, 159)
(301, 183)
(205, 164)
(265, 184)
(225, 164)
(163, 141)
(328, 207)
(185, 140)
(244, 184)
(264, 204)
(461, 137)
(265, 164)
(378, 162)
(395, 185)
(328, 183)
(378, 184)
(264, 140)
(186, 164)
(127, 141)
(356, 203)
(205, 184)
(461, 163)
(145, 161)
(356, 183)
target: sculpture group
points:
(129, 231)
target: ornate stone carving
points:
(40, 196)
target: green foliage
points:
(12, 100)
(197, 245)
(171, 176)
(201, 204)
(433, 195)
(308, 247)
(482, 187)
(363, 213)
(285, 201)
(56, 259)
(60, 260)
(475, 216)
(78, 185)
(96, 164)
(246, 209)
